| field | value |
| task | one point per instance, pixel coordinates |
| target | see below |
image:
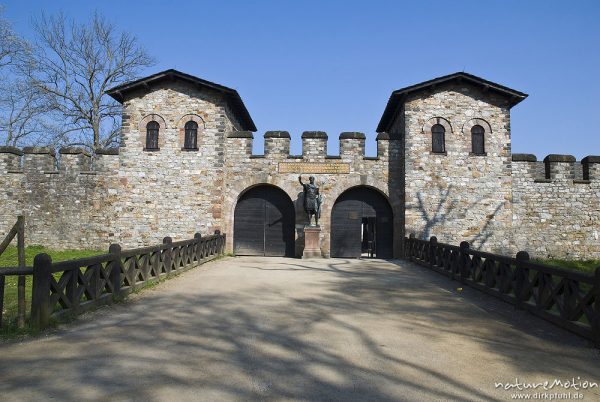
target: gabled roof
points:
(119, 93)
(398, 96)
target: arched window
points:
(191, 135)
(477, 140)
(152, 135)
(438, 132)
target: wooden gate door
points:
(264, 223)
(346, 226)
(353, 209)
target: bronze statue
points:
(312, 200)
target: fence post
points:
(432, 250)
(408, 251)
(40, 294)
(1, 297)
(21, 279)
(521, 274)
(168, 254)
(595, 323)
(198, 238)
(463, 267)
(215, 247)
(116, 268)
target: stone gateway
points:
(444, 167)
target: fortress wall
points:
(136, 197)
(456, 195)
(67, 203)
(396, 173)
(244, 170)
(11, 185)
(556, 206)
(499, 202)
(172, 191)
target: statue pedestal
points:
(312, 247)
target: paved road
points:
(284, 329)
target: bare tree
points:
(21, 107)
(10, 43)
(23, 115)
(73, 64)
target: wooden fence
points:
(18, 231)
(567, 298)
(69, 288)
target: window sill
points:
(438, 153)
(474, 154)
(151, 149)
(190, 149)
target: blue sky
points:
(331, 66)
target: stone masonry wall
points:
(172, 191)
(67, 205)
(556, 206)
(139, 196)
(497, 201)
(244, 171)
(456, 195)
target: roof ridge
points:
(396, 97)
(232, 96)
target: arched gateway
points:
(264, 220)
(361, 224)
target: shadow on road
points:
(256, 329)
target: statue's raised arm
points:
(300, 179)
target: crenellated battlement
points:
(10, 159)
(277, 143)
(591, 167)
(67, 197)
(555, 167)
(352, 144)
(71, 160)
(39, 159)
(314, 145)
(556, 205)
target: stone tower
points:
(456, 158)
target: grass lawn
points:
(9, 259)
(584, 266)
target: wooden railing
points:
(17, 230)
(69, 288)
(567, 298)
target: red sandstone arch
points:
(474, 122)
(162, 129)
(437, 120)
(181, 127)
